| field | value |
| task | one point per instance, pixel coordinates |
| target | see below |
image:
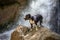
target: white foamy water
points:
(6, 35)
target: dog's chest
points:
(32, 21)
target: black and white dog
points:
(34, 19)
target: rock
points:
(19, 32)
(24, 33)
(9, 11)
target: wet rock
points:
(28, 34)
(19, 32)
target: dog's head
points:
(27, 17)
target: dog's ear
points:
(29, 15)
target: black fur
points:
(36, 18)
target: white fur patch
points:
(31, 21)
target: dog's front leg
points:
(31, 26)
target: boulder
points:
(24, 33)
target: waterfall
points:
(42, 7)
(46, 8)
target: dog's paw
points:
(36, 28)
(31, 29)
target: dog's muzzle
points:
(25, 18)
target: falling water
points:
(42, 7)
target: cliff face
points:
(9, 11)
(24, 33)
(9, 8)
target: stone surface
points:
(9, 11)
(24, 33)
